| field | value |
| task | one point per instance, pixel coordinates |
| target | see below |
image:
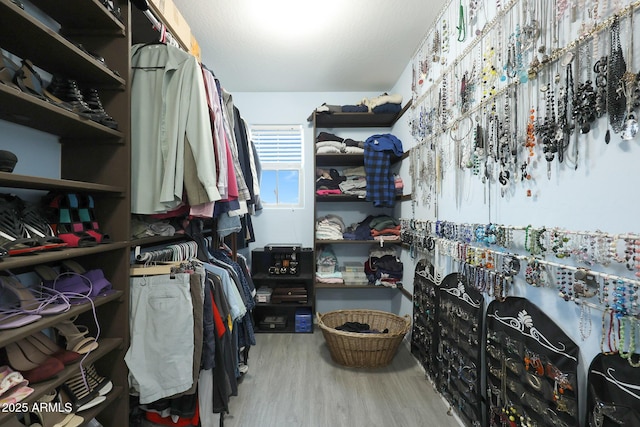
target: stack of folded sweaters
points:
(329, 143)
(383, 104)
(330, 227)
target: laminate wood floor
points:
(292, 382)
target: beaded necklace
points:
(628, 84)
(616, 100)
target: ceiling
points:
(305, 46)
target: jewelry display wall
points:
(459, 322)
(508, 95)
(531, 367)
(424, 339)
(613, 399)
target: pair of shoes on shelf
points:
(38, 357)
(23, 229)
(13, 387)
(18, 297)
(74, 281)
(74, 220)
(86, 388)
(87, 104)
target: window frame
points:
(279, 166)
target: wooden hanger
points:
(153, 269)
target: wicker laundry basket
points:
(363, 350)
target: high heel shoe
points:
(34, 365)
(80, 393)
(27, 301)
(47, 346)
(76, 337)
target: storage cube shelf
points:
(280, 296)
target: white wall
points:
(297, 225)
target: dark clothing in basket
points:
(362, 328)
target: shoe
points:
(82, 392)
(93, 100)
(27, 302)
(52, 419)
(47, 346)
(99, 284)
(29, 81)
(11, 318)
(74, 287)
(76, 337)
(34, 225)
(67, 90)
(65, 221)
(101, 384)
(13, 386)
(34, 365)
(13, 235)
(86, 206)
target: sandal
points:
(13, 236)
(37, 227)
(27, 301)
(80, 393)
(76, 337)
(12, 319)
(47, 346)
(99, 284)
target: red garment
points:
(326, 192)
(386, 231)
(155, 418)
(220, 329)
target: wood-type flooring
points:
(292, 382)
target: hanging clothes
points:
(169, 108)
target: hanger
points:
(153, 269)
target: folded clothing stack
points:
(384, 104)
(330, 227)
(329, 143)
(383, 268)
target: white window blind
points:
(278, 143)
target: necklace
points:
(616, 100)
(628, 85)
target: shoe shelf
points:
(12, 180)
(83, 16)
(40, 389)
(11, 335)
(54, 53)
(27, 110)
(43, 257)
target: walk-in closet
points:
(277, 213)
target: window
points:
(279, 148)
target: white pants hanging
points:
(160, 356)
